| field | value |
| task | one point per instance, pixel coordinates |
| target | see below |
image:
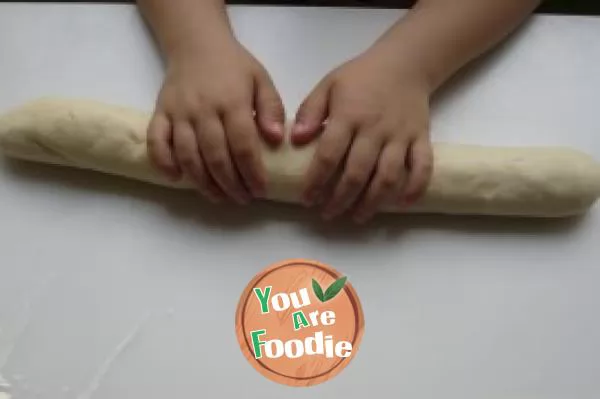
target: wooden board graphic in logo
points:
(299, 322)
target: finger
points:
(242, 138)
(329, 153)
(420, 165)
(269, 109)
(186, 148)
(215, 151)
(387, 182)
(159, 144)
(359, 167)
(311, 114)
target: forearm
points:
(186, 26)
(438, 37)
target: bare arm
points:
(441, 36)
(377, 104)
(186, 26)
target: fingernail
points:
(299, 127)
(277, 127)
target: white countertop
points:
(113, 289)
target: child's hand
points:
(204, 124)
(376, 135)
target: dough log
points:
(467, 179)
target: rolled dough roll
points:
(467, 179)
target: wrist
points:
(207, 32)
(403, 63)
(415, 49)
(185, 27)
(198, 46)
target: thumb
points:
(311, 114)
(269, 109)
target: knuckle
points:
(327, 159)
(217, 163)
(371, 120)
(160, 162)
(354, 178)
(239, 126)
(208, 144)
(361, 115)
(422, 183)
(232, 102)
(416, 185)
(152, 140)
(413, 129)
(166, 97)
(181, 114)
(161, 165)
(155, 154)
(189, 97)
(244, 152)
(388, 181)
(426, 166)
(187, 161)
(185, 106)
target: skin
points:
(370, 114)
(204, 123)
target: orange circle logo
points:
(299, 322)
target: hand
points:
(213, 108)
(375, 134)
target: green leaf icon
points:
(318, 290)
(334, 288)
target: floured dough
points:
(467, 179)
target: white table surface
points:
(113, 289)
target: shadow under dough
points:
(190, 206)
